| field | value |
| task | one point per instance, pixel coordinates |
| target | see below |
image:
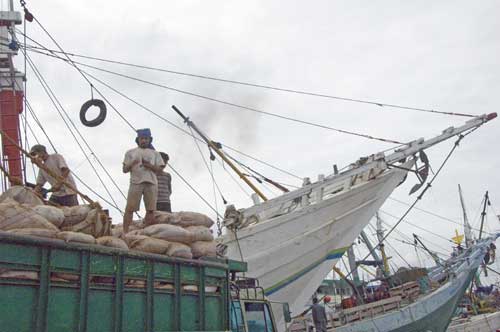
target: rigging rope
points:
(262, 86)
(251, 109)
(429, 184)
(116, 91)
(60, 109)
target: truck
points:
(47, 285)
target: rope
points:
(58, 106)
(264, 86)
(172, 124)
(83, 75)
(429, 184)
(309, 123)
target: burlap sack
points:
(179, 250)
(14, 215)
(185, 219)
(22, 195)
(54, 215)
(76, 237)
(168, 233)
(19, 274)
(40, 232)
(200, 233)
(117, 229)
(204, 249)
(110, 241)
(162, 217)
(75, 214)
(147, 244)
(96, 224)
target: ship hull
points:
(291, 254)
(431, 313)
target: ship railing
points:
(315, 193)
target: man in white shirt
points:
(61, 194)
(143, 163)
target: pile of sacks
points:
(179, 234)
(23, 212)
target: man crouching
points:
(143, 163)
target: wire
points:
(263, 86)
(429, 184)
(309, 123)
(431, 213)
(54, 99)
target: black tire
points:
(99, 119)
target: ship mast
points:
(467, 228)
(11, 97)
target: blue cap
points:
(145, 132)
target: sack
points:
(117, 229)
(76, 237)
(96, 224)
(19, 274)
(14, 215)
(204, 249)
(162, 217)
(147, 244)
(168, 233)
(54, 215)
(22, 195)
(200, 233)
(109, 241)
(75, 214)
(179, 250)
(185, 219)
(40, 232)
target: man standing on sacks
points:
(143, 163)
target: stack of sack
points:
(23, 212)
(179, 234)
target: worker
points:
(164, 187)
(319, 316)
(61, 193)
(143, 163)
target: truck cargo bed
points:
(70, 287)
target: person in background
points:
(61, 194)
(164, 187)
(319, 316)
(143, 163)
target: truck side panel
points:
(110, 290)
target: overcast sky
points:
(434, 55)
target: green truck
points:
(50, 286)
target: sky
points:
(432, 55)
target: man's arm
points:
(154, 168)
(128, 163)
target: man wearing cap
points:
(143, 163)
(61, 193)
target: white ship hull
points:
(292, 253)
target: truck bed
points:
(109, 290)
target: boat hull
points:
(291, 254)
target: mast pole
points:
(213, 146)
(467, 228)
(433, 255)
(11, 94)
(380, 237)
(483, 214)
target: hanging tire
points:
(99, 119)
